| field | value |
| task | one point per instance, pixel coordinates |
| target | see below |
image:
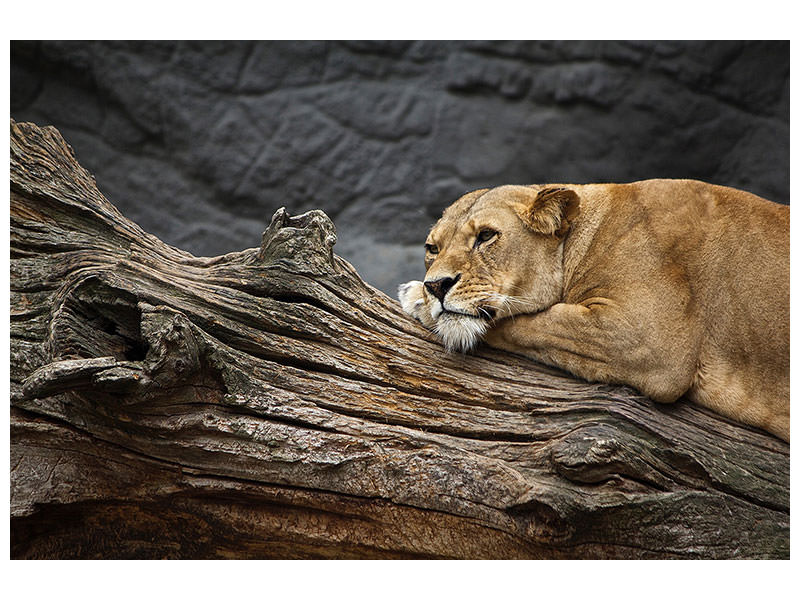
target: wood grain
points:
(270, 404)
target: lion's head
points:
(495, 254)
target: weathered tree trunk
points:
(269, 403)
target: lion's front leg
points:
(594, 343)
(556, 336)
(414, 301)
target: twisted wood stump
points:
(269, 403)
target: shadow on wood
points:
(270, 404)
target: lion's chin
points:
(460, 332)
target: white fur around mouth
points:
(436, 310)
(460, 332)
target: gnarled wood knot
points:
(303, 243)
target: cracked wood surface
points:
(269, 403)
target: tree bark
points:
(270, 404)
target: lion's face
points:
(495, 254)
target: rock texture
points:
(200, 141)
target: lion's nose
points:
(440, 287)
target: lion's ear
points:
(552, 211)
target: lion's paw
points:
(411, 296)
(412, 299)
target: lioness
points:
(671, 286)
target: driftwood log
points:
(270, 404)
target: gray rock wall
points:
(199, 142)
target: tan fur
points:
(671, 286)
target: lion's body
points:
(671, 286)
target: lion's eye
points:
(432, 248)
(484, 236)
